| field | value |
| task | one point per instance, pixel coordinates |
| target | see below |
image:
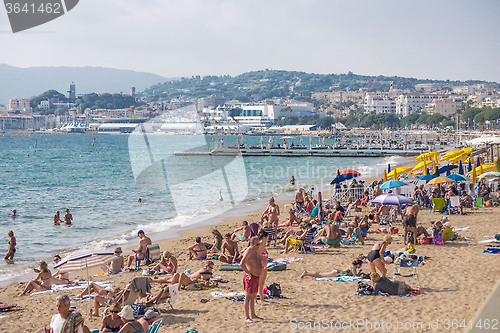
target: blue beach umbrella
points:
(469, 168)
(447, 168)
(340, 178)
(478, 162)
(460, 169)
(457, 178)
(388, 168)
(426, 177)
(392, 184)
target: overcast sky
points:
(447, 39)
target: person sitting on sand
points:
(377, 191)
(168, 263)
(143, 248)
(65, 320)
(331, 235)
(244, 232)
(202, 275)
(233, 254)
(292, 219)
(376, 255)
(148, 319)
(384, 285)
(309, 205)
(197, 251)
(218, 239)
(336, 216)
(112, 322)
(291, 241)
(113, 295)
(116, 265)
(44, 275)
(373, 216)
(58, 278)
(130, 324)
(354, 270)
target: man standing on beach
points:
(143, 247)
(252, 264)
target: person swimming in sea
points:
(68, 217)
(14, 213)
(57, 218)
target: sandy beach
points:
(457, 280)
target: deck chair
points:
(454, 205)
(478, 203)
(302, 244)
(438, 205)
(155, 326)
(271, 231)
(406, 268)
(154, 252)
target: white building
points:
(409, 103)
(44, 105)
(379, 104)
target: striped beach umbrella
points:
(85, 259)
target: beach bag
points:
(364, 289)
(394, 231)
(488, 203)
(274, 290)
(426, 240)
(139, 309)
(438, 240)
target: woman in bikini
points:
(112, 322)
(57, 218)
(292, 219)
(354, 270)
(376, 255)
(264, 238)
(168, 263)
(44, 275)
(58, 277)
(273, 211)
(217, 241)
(197, 251)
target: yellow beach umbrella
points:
(467, 151)
(457, 157)
(450, 154)
(422, 157)
(385, 176)
(474, 176)
(396, 174)
(399, 170)
(425, 168)
(483, 168)
(439, 180)
(418, 166)
(433, 167)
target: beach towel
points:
(460, 228)
(382, 294)
(286, 260)
(227, 294)
(492, 250)
(7, 307)
(74, 285)
(343, 279)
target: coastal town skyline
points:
(423, 40)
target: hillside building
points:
(379, 104)
(19, 104)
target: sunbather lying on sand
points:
(384, 285)
(203, 274)
(354, 270)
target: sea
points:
(100, 178)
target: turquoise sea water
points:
(102, 189)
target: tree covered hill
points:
(259, 85)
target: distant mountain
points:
(18, 82)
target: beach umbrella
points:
(418, 166)
(483, 168)
(340, 178)
(426, 177)
(439, 180)
(447, 168)
(385, 176)
(392, 184)
(399, 171)
(84, 259)
(491, 174)
(344, 171)
(460, 168)
(469, 168)
(478, 162)
(391, 199)
(450, 154)
(457, 178)
(395, 174)
(474, 176)
(388, 168)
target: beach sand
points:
(457, 281)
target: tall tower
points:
(132, 92)
(72, 92)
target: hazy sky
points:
(447, 39)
